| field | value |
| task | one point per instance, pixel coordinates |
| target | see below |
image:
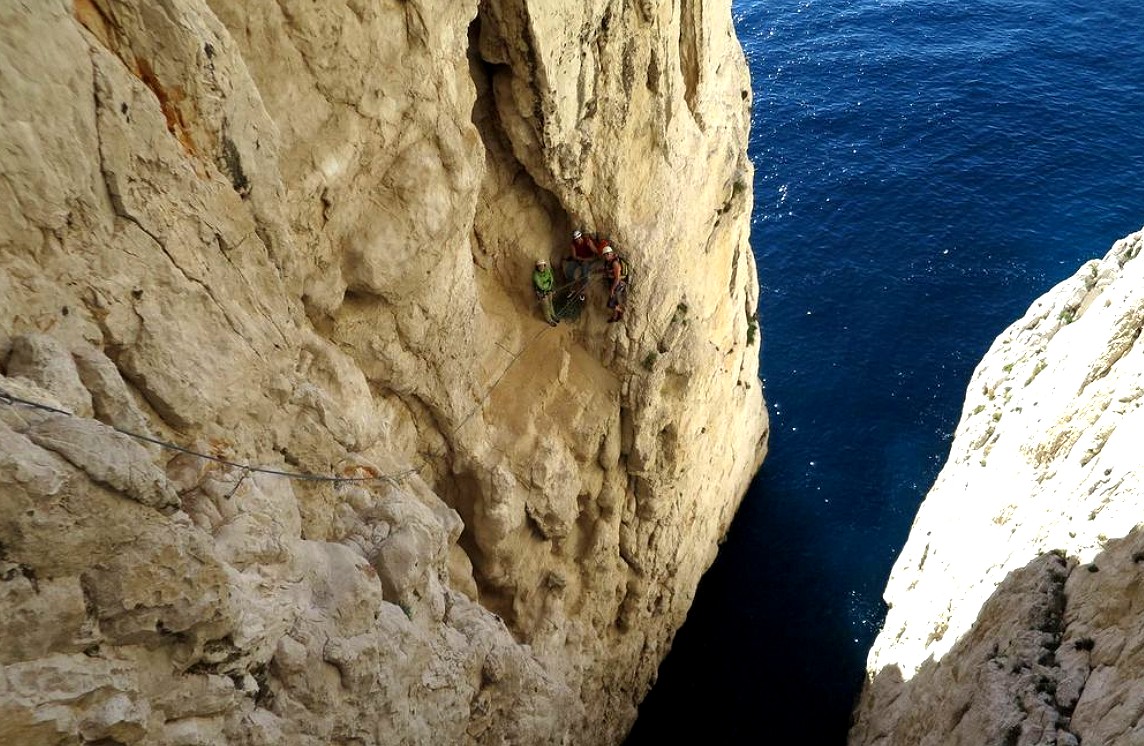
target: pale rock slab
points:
(44, 361)
(108, 458)
(1044, 467)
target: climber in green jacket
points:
(542, 284)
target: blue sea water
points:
(924, 170)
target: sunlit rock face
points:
(299, 235)
(1014, 615)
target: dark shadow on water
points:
(740, 670)
(1015, 677)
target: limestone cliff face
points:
(1015, 605)
(297, 236)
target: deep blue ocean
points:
(924, 170)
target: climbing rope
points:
(520, 353)
(504, 372)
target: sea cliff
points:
(1015, 605)
(294, 239)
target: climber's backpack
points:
(625, 268)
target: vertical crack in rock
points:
(113, 182)
(691, 27)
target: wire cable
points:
(393, 478)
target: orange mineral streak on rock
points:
(102, 25)
(361, 471)
(92, 17)
(168, 102)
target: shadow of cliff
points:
(1018, 676)
(740, 670)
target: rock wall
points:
(1015, 604)
(296, 238)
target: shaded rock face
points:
(1012, 616)
(299, 236)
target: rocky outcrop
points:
(293, 240)
(1013, 615)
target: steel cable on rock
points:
(393, 478)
